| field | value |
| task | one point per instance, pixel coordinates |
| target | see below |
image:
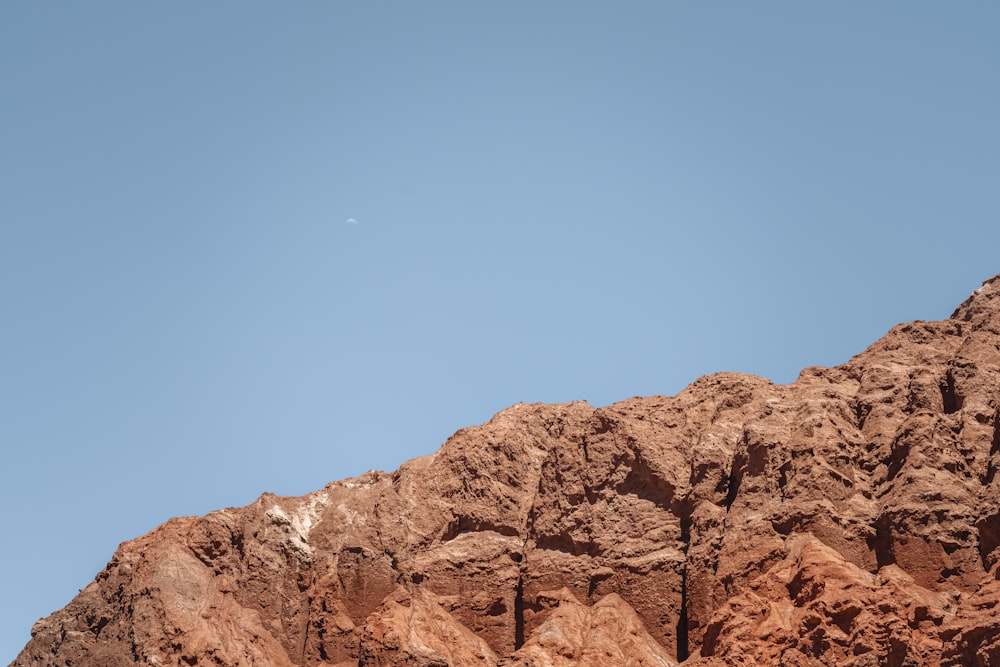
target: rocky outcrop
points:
(575, 635)
(850, 518)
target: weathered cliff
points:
(850, 518)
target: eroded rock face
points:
(850, 518)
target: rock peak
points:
(850, 518)
(983, 304)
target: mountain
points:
(850, 518)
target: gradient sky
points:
(554, 201)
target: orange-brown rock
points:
(575, 635)
(849, 518)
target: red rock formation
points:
(850, 518)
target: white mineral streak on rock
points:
(301, 522)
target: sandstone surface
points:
(849, 518)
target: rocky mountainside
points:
(849, 518)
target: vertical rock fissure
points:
(995, 442)
(683, 650)
(860, 414)
(733, 482)
(949, 396)
(529, 534)
(519, 612)
(683, 646)
(883, 542)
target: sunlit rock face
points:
(849, 518)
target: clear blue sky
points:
(555, 201)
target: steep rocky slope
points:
(849, 518)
